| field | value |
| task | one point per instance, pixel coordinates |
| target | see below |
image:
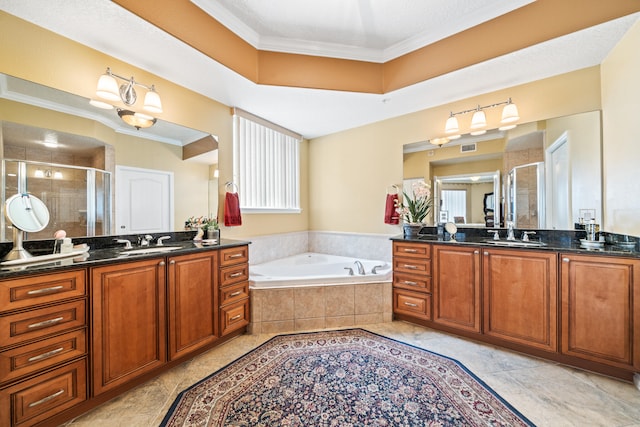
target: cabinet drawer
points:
(235, 255)
(20, 327)
(416, 250)
(412, 303)
(412, 266)
(26, 291)
(231, 294)
(412, 281)
(234, 274)
(234, 316)
(35, 400)
(27, 359)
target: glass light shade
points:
(39, 173)
(57, 175)
(479, 120)
(510, 113)
(439, 141)
(152, 102)
(454, 136)
(452, 125)
(507, 127)
(137, 120)
(108, 88)
(478, 132)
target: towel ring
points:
(393, 187)
(232, 185)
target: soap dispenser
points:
(67, 246)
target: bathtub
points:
(313, 269)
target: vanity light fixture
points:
(479, 119)
(109, 89)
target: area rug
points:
(341, 378)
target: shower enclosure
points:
(78, 198)
(525, 205)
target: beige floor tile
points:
(278, 327)
(310, 324)
(550, 395)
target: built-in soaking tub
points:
(309, 269)
(315, 291)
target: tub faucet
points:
(375, 269)
(350, 270)
(510, 235)
(360, 268)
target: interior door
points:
(144, 200)
(559, 185)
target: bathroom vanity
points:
(560, 302)
(74, 334)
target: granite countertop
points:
(100, 254)
(556, 241)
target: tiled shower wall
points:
(356, 245)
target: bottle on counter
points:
(67, 246)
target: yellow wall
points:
(621, 149)
(35, 54)
(351, 170)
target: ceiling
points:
(353, 29)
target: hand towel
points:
(232, 215)
(390, 214)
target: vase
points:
(213, 234)
(412, 229)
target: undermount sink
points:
(515, 243)
(152, 250)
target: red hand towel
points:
(232, 210)
(390, 214)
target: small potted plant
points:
(211, 228)
(414, 208)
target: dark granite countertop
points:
(556, 241)
(103, 250)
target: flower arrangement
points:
(206, 223)
(414, 210)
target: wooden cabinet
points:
(601, 309)
(234, 289)
(129, 331)
(520, 297)
(43, 350)
(192, 302)
(412, 280)
(456, 287)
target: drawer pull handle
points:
(45, 355)
(45, 323)
(408, 282)
(410, 267)
(236, 274)
(410, 304)
(235, 294)
(44, 290)
(235, 255)
(411, 251)
(235, 318)
(565, 259)
(46, 399)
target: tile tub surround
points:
(354, 245)
(319, 307)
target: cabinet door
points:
(520, 297)
(129, 321)
(456, 287)
(192, 302)
(601, 309)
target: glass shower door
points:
(525, 193)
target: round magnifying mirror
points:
(451, 229)
(27, 212)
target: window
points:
(455, 203)
(266, 165)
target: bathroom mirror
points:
(83, 164)
(569, 148)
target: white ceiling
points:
(345, 28)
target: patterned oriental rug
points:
(341, 378)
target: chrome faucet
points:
(496, 234)
(525, 235)
(510, 235)
(127, 243)
(160, 239)
(360, 268)
(144, 241)
(375, 269)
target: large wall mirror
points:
(56, 146)
(541, 175)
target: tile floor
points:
(547, 393)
